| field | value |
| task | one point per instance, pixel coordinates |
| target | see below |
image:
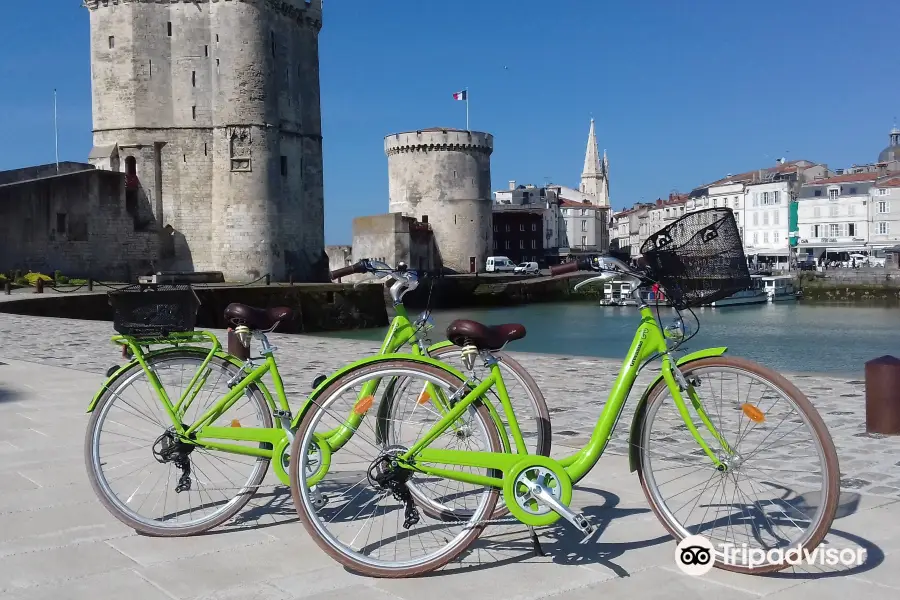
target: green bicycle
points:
(182, 435)
(720, 449)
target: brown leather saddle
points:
(484, 337)
(257, 318)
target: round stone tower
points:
(443, 177)
(213, 109)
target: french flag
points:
(460, 95)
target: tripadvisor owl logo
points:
(695, 555)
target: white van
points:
(499, 264)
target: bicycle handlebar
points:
(358, 267)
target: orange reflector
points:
(753, 413)
(235, 423)
(423, 397)
(363, 405)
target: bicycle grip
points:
(570, 267)
(358, 267)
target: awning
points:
(773, 253)
(845, 248)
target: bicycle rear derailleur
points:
(175, 451)
(386, 473)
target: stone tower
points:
(443, 177)
(595, 177)
(211, 108)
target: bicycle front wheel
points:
(361, 509)
(140, 471)
(778, 486)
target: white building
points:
(884, 214)
(833, 215)
(765, 221)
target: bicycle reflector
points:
(363, 405)
(753, 413)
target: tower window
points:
(424, 218)
(193, 112)
(217, 66)
(60, 222)
(284, 166)
(217, 38)
(150, 67)
(205, 50)
(193, 78)
(204, 150)
(169, 28)
(112, 41)
(273, 44)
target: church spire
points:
(594, 177)
(591, 159)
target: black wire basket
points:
(699, 258)
(154, 311)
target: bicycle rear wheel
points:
(136, 466)
(355, 511)
(762, 426)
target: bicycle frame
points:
(203, 433)
(648, 341)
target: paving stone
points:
(56, 540)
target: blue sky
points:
(682, 92)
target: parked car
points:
(528, 268)
(499, 264)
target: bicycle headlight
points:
(675, 331)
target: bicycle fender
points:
(371, 360)
(121, 371)
(641, 408)
(440, 345)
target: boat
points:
(617, 293)
(754, 295)
(779, 288)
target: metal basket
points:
(154, 311)
(699, 258)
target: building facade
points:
(211, 109)
(884, 213)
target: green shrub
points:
(59, 278)
(21, 281)
(78, 282)
(31, 278)
(2, 278)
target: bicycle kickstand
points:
(536, 543)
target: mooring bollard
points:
(8, 287)
(883, 395)
(268, 278)
(90, 284)
(39, 286)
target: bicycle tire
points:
(817, 425)
(310, 418)
(239, 501)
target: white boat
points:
(617, 293)
(779, 288)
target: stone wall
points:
(317, 307)
(221, 117)
(41, 171)
(77, 223)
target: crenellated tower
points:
(443, 177)
(211, 108)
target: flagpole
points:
(55, 130)
(467, 109)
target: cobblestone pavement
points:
(57, 541)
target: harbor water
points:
(789, 336)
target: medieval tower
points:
(211, 108)
(443, 177)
